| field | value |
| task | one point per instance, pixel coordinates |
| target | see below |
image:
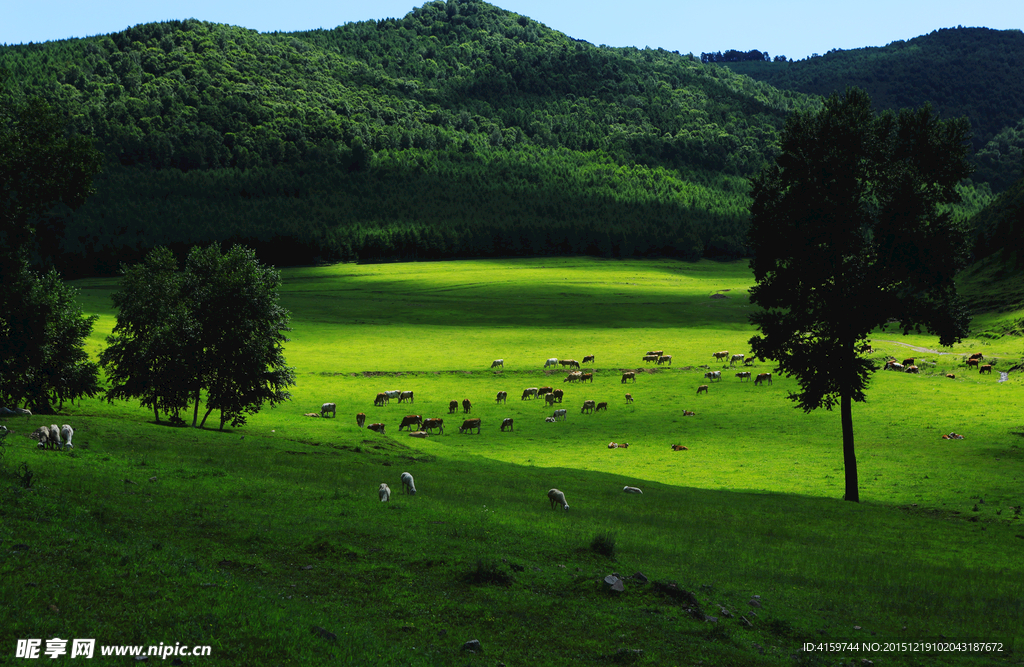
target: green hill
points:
(996, 282)
(973, 72)
(458, 130)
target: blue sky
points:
(794, 28)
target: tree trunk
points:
(849, 458)
(208, 411)
(156, 412)
(195, 412)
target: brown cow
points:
(550, 398)
(702, 389)
(724, 354)
(558, 394)
(587, 377)
(912, 369)
(689, 413)
(648, 358)
(409, 420)
(950, 376)
(544, 390)
(378, 427)
(656, 353)
(502, 396)
(571, 363)
(977, 355)
(466, 405)
(360, 419)
(601, 406)
(507, 422)
(469, 425)
(987, 368)
(453, 407)
(587, 406)
(909, 361)
(629, 398)
(573, 376)
(680, 448)
(588, 358)
(972, 362)
(629, 375)
(761, 377)
(381, 400)
(616, 445)
(431, 424)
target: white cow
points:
(405, 396)
(735, 358)
(392, 394)
(498, 362)
(553, 361)
(713, 375)
(559, 414)
(328, 407)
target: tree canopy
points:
(215, 328)
(850, 229)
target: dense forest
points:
(459, 130)
(973, 72)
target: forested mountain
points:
(458, 130)
(973, 72)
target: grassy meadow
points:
(268, 542)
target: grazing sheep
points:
(65, 435)
(55, 435)
(384, 492)
(408, 485)
(556, 496)
(631, 489)
(42, 434)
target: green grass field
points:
(268, 542)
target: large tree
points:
(44, 171)
(850, 228)
(215, 328)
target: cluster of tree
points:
(999, 228)
(971, 72)
(215, 329)
(450, 99)
(734, 56)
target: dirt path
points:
(915, 348)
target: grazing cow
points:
(529, 393)
(977, 355)
(557, 497)
(550, 419)
(734, 358)
(573, 377)
(665, 359)
(713, 375)
(629, 398)
(328, 407)
(381, 400)
(986, 368)
(405, 395)
(498, 362)
(893, 366)
(360, 419)
(466, 405)
(453, 407)
(721, 355)
(761, 377)
(745, 375)
(571, 363)
(553, 361)
(748, 362)
(394, 393)
(912, 369)
(589, 358)
(506, 423)
(502, 396)
(973, 362)
(378, 427)
(950, 376)
(629, 375)
(561, 413)
(703, 389)
(909, 361)
(587, 377)
(550, 398)
(558, 394)
(409, 420)
(601, 406)
(656, 353)
(648, 358)
(679, 448)
(544, 390)
(431, 424)
(469, 425)
(587, 406)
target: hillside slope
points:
(459, 130)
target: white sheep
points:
(408, 485)
(556, 496)
(55, 435)
(631, 489)
(65, 435)
(384, 492)
(42, 434)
